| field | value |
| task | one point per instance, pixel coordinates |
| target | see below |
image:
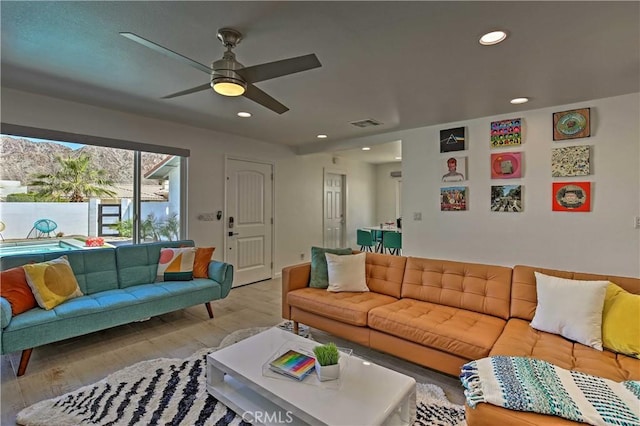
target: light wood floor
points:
(64, 366)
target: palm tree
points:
(75, 180)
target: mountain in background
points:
(22, 159)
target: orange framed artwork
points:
(571, 197)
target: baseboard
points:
(277, 275)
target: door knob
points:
(231, 233)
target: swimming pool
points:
(7, 249)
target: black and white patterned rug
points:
(173, 392)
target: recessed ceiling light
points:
(244, 114)
(494, 37)
(322, 136)
(519, 100)
(366, 148)
(398, 158)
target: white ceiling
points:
(405, 64)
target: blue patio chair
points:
(42, 227)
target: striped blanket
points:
(528, 384)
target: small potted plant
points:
(327, 367)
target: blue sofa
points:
(118, 287)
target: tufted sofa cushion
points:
(457, 331)
(385, 273)
(519, 339)
(523, 292)
(347, 307)
(480, 288)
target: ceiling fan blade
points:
(186, 92)
(170, 53)
(256, 73)
(263, 99)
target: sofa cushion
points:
(580, 320)
(458, 331)
(619, 334)
(523, 289)
(385, 273)
(14, 288)
(201, 262)
(52, 282)
(350, 308)
(519, 339)
(176, 264)
(475, 287)
(319, 273)
(346, 273)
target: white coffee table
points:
(366, 394)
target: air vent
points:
(396, 174)
(366, 123)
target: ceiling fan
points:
(229, 77)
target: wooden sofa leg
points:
(209, 309)
(24, 360)
(295, 327)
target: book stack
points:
(293, 364)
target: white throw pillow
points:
(570, 308)
(346, 272)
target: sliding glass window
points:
(61, 188)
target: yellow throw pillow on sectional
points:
(52, 282)
(621, 321)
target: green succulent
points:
(327, 354)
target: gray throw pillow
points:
(319, 272)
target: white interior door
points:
(249, 217)
(334, 213)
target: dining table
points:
(384, 228)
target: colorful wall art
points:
(570, 161)
(506, 166)
(452, 140)
(506, 198)
(572, 124)
(454, 169)
(506, 133)
(453, 198)
(571, 197)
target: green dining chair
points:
(377, 239)
(365, 240)
(392, 241)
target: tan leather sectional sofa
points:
(442, 314)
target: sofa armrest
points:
(5, 312)
(293, 278)
(222, 273)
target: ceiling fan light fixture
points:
(227, 86)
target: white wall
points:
(299, 189)
(601, 241)
(386, 192)
(71, 218)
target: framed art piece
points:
(572, 124)
(454, 169)
(452, 140)
(506, 133)
(506, 166)
(570, 161)
(453, 198)
(506, 198)
(571, 197)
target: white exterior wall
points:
(71, 218)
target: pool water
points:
(39, 247)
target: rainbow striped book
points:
(293, 364)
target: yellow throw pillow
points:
(52, 282)
(621, 321)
